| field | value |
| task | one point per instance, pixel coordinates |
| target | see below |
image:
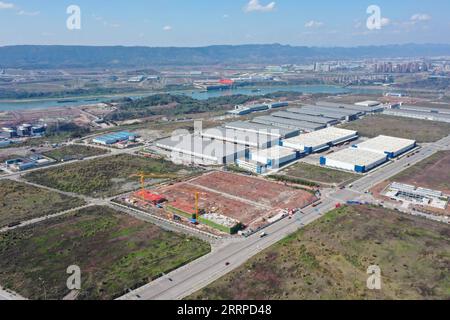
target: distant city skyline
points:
(194, 23)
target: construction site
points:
(221, 202)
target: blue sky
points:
(209, 22)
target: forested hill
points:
(86, 56)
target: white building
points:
(274, 157)
(249, 139)
(390, 146)
(320, 140)
(198, 150)
(368, 103)
(352, 159)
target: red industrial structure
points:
(228, 82)
(148, 196)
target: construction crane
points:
(197, 196)
(143, 176)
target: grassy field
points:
(317, 174)
(419, 130)
(329, 260)
(75, 151)
(105, 176)
(19, 202)
(115, 252)
(433, 173)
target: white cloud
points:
(167, 28)
(255, 6)
(25, 13)
(226, 16)
(6, 5)
(385, 22)
(105, 23)
(313, 24)
(419, 17)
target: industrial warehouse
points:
(414, 113)
(266, 144)
(196, 149)
(320, 140)
(261, 128)
(369, 154)
(355, 160)
(118, 139)
(303, 126)
(390, 146)
(337, 114)
(365, 107)
(249, 139)
(305, 117)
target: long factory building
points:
(333, 113)
(320, 140)
(369, 154)
(361, 107)
(352, 159)
(248, 139)
(390, 146)
(196, 149)
(305, 117)
(432, 115)
(303, 126)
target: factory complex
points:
(27, 163)
(200, 150)
(268, 143)
(320, 140)
(121, 139)
(390, 146)
(416, 195)
(440, 115)
(369, 154)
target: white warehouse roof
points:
(356, 157)
(320, 139)
(199, 147)
(288, 123)
(386, 144)
(275, 152)
(261, 128)
(252, 139)
(368, 103)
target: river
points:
(196, 94)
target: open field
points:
(432, 173)
(329, 259)
(249, 200)
(74, 151)
(419, 130)
(105, 176)
(115, 252)
(20, 202)
(317, 174)
(262, 191)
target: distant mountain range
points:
(108, 57)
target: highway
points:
(230, 255)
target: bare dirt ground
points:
(432, 173)
(249, 200)
(255, 189)
(50, 115)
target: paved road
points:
(202, 272)
(5, 295)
